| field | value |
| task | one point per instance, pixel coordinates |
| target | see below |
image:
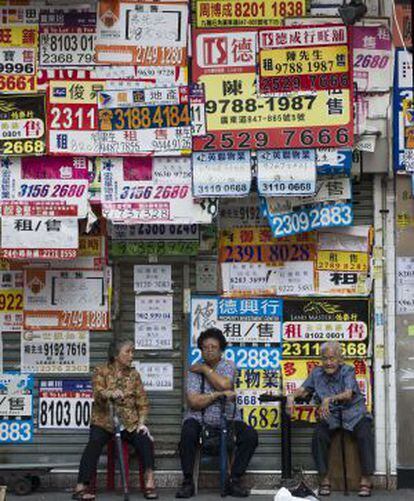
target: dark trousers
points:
(321, 442)
(98, 438)
(246, 443)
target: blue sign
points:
(253, 308)
(16, 408)
(403, 89)
(331, 162)
(246, 357)
(66, 385)
(309, 219)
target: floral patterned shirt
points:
(132, 410)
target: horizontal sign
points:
(241, 320)
(342, 260)
(22, 125)
(66, 300)
(56, 185)
(134, 191)
(267, 253)
(309, 219)
(65, 404)
(66, 38)
(222, 174)
(222, 14)
(155, 232)
(344, 283)
(153, 308)
(54, 351)
(333, 161)
(142, 34)
(153, 336)
(286, 172)
(144, 121)
(246, 357)
(153, 278)
(156, 376)
(119, 249)
(285, 249)
(39, 237)
(304, 58)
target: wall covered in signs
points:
(146, 194)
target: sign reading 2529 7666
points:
(237, 118)
(22, 125)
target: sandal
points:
(324, 490)
(364, 491)
(150, 493)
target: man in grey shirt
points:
(335, 388)
(219, 376)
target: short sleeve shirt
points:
(322, 385)
(212, 412)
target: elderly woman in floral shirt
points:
(116, 381)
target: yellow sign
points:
(232, 104)
(224, 13)
(262, 418)
(265, 380)
(304, 61)
(11, 301)
(342, 261)
(25, 36)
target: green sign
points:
(122, 249)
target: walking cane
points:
(344, 472)
(223, 447)
(118, 441)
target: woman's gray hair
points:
(332, 345)
(115, 347)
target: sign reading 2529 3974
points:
(237, 118)
(22, 125)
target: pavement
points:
(204, 495)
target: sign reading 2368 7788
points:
(237, 118)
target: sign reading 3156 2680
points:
(22, 125)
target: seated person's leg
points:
(144, 448)
(366, 448)
(98, 437)
(321, 442)
(190, 436)
(246, 443)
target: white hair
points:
(333, 346)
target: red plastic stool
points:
(110, 466)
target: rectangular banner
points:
(304, 58)
(150, 190)
(222, 174)
(237, 118)
(144, 121)
(54, 352)
(39, 237)
(342, 260)
(156, 376)
(18, 55)
(145, 249)
(326, 319)
(16, 408)
(56, 186)
(344, 283)
(22, 125)
(11, 300)
(67, 38)
(246, 320)
(286, 172)
(333, 162)
(312, 349)
(155, 232)
(142, 33)
(372, 58)
(65, 404)
(66, 300)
